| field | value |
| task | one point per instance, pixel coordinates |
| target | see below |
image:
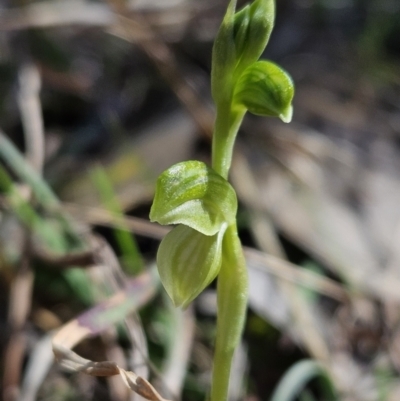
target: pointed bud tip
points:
(287, 115)
(181, 303)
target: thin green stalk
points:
(232, 303)
(227, 125)
(232, 278)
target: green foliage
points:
(43, 195)
(55, 232)
(50, 232)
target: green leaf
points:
(193, 194)
(252, 29)
(265, 89)
(224, 57)
(188, 261)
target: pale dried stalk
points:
(31, 115)
(85, 326)
(73, 362)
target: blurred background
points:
(99, 97)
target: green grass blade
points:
(47, 231)
(15, 160)
(126, 242)
(43, 193)
(297, 377)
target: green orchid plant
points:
(199, 200)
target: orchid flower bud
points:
(265, 89)
(188, 261)
(203, 203)
(193, 194)
(240, 41)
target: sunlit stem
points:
(232, 278)
(227, 125)
(232, 302)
